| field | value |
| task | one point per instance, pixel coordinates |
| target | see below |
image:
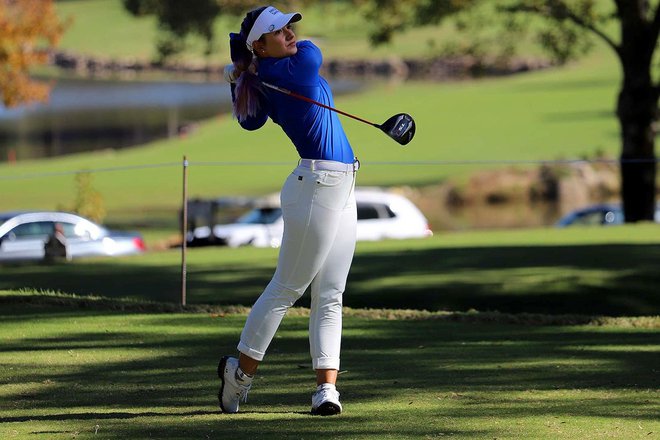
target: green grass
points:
(606, 271)
(71, 373)
(104, 28)
(555, 114)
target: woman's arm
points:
(305, 64)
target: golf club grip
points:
(311, 101)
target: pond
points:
(87, 115)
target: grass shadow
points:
(613, 280)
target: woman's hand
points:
(231, 73)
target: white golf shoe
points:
(234, 386)
(325, 401)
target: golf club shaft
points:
(306, 99)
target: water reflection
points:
(87, 115)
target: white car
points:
(24, 237)
(381, 215)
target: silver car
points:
(27, 236)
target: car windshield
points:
(33, 229)
(261, 216)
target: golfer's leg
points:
(308, 237)
(325, 322)
(265, 318)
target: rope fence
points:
(370, 163)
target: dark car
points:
(32, 236)
(602, 214)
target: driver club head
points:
(400, 127)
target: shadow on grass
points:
(614, 280)
(547, 279)
(157, 372)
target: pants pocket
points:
(333, 189)
(292, 189)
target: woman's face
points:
(278, 44)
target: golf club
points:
(400, 127)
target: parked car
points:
(25, 236)
(381, 215)
(601, 214)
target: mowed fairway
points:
(68, 372)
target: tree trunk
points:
(637, 110)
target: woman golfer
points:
(318, 202)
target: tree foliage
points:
(88, 201)
(566, 25)
(28, 29)
(178, 19)
(392, 16)
(563, 38)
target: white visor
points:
(270, 20)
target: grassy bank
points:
(605, 271)
(77, 373)
(547, 115)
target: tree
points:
(638, 22)
(89, 202)
(179, 19)
(28, 30)
(176, 20)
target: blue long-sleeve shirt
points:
(316, 132)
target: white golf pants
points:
(320, 219)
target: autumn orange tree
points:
(28, 30)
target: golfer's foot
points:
(325, 401)
(234, 385)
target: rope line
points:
(91, 170)
(374, 163)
